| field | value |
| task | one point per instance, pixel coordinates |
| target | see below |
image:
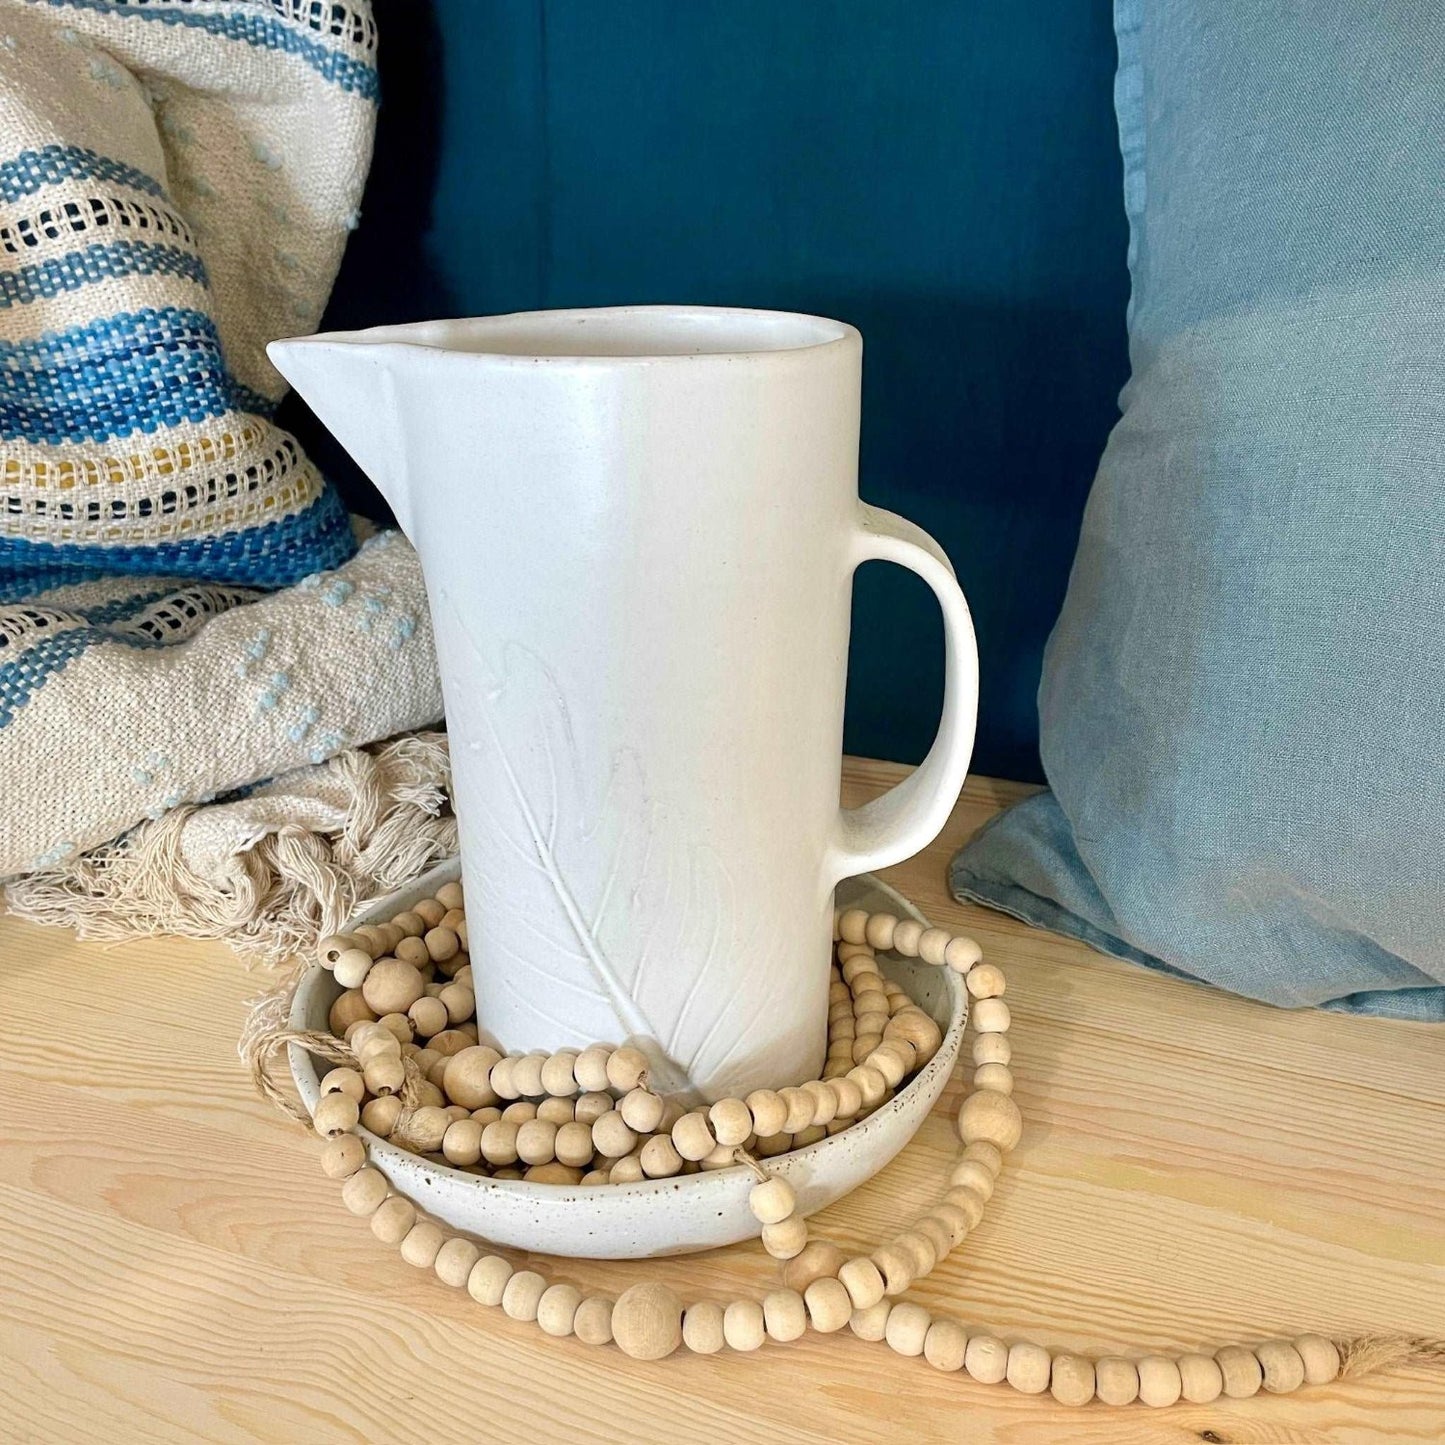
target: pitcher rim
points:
(827, 334)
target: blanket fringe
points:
(273, 898)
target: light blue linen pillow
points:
(1243, 701)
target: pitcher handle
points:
(909, 816)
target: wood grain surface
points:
(1195, 1169)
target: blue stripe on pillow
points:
(114, 377)
(105, 262)
(275, 554)
(260, 31)
(32, 171)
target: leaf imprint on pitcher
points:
(600, 866)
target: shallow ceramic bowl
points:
(658, 1216)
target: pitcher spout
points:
(350, 381)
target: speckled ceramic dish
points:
(661, 1216)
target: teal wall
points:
(942, 173)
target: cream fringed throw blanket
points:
(183, 608)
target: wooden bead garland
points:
(588, 1116)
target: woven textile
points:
(183, 610)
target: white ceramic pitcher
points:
(638, 529)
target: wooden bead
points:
(1116, 1380)
(992, 1049)
(1200, 1379)
(350, 1007)
(968, 1200)
(785, 1239)
(454, 1261)
(460, 1003)
(344, 1081)
(828, 1303)
(429, 910)
(589, 1069)
(702, 1328)
(772, 1200)
(819, 1260)
(807, 1136)
(961, 954)
(612, 1137)
(731, 1120)
(641, 1110)
(330, 949)
(896, 1267)
(422, 1244)
(853, 925)
(1029, 1368)
(592, 1323)
(527, 1074)
(536, 1142)
(335, 1114)
(342, 1157)
(626, 1070)
(503, 1085)
(557, 1310)
(768, 1111)
(1159, 1381)
(392, 986)
(989, 1155)
(955, 1221)
(1241, 1371)
(825, 1102)
(970, 1174)
(743, 1325)
(871, 1084)
(1071, 1379)
(785, 1317)
(906, 936)
(449, 895)
(938, 1232)
(692, 1138)
(428, 1016)
(553, 1173)
(849, 1098)
(488, 1279)
(380, 1115)
(1283, 1368)
(522, 1294)
(986, 1359)
(647, 1321)
(921, 1031)
(878, 932)
(931, 945)
(920, 1252)
(412, 951)
(462, 1143)
(985, 980)
(555, 1111)
(906, 1328)
(393, 1218)
(364, 1191)
(467, 1079)
(800, 1109)
(992, 1117)
(558, 1078)
(627, 1170)
(767, 1145)
(590, 1107)
(659, 1158)
(1320, 1357)
(352, 967)
(989, 1016)
(441, 943)
(863, 1280)
(519, 1112)
(998, 1077)
(944, 1345)
(499, 1143)
(573, 1144)
(888, 1063)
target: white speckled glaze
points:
(663, 1216)
(639, 529)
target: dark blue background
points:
(942, 173)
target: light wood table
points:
(173, 1266)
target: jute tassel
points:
(1366, 1354)
(269, 872)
